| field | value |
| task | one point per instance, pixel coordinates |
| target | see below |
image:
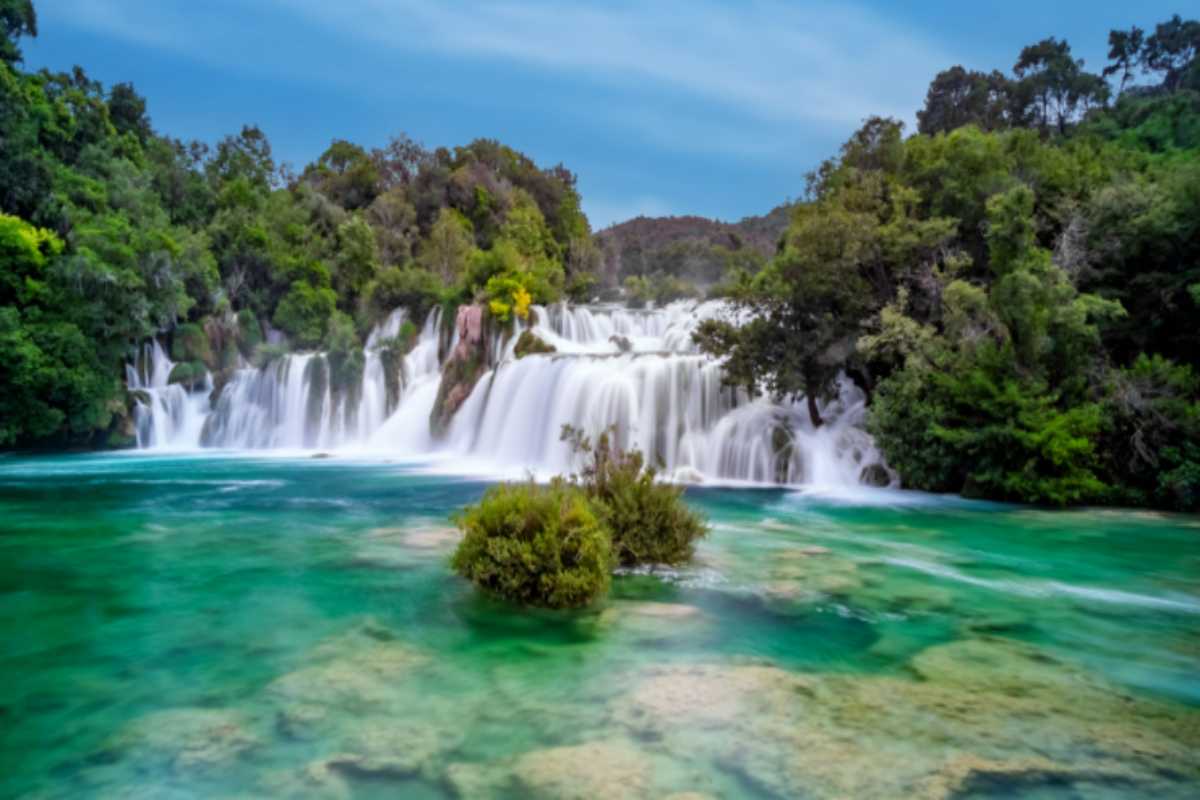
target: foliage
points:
(534, 545)
(343, 353)
(414, 289)
(1013, 285)
(648, 521)
(530, 344)
(154, 234)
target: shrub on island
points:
(647, 519)
(556, 546)
(535, 545)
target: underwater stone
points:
(185, 739)
(609, 769)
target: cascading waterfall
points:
(637, 372)
(166, 415)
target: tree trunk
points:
(813, 414)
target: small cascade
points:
(635, 371)
(166, 415)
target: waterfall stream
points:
(636, 371)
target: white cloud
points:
(771, 61)
(774, 59)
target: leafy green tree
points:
(1124, 54)
(448, 247)
(17, 19)
(959, 97)
(346, 174)
(393, 218)
(357, 261)
(1057, 84)
(305, 311)
(1172, 50)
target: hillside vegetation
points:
(1017, 284)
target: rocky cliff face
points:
(466, 362)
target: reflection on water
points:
(215, 626)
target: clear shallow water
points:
(216, 626)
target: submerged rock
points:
(977, 714)
(607, 769)
(361, 671)
(386, 749)
(184, 739)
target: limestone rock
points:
(606, 770)
(185, 739)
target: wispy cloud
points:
(773, 60)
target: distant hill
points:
(696, 248)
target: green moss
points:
(535, 545)
(188, 374)
(117, 440)
(530, 344)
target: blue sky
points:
(666, 107)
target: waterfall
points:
(166, 415)
(637, 372)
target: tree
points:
(17, 19)
(357, 260)
(393, 218)
(346, 174)
(804, 309)
(1125, 53)
(127, 110)
(1172, 50)
(449, 244)
(399, 163)
(959, 97)
(246, 156)
(1056, 84)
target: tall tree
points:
(1172, 50)
(1125, 53)
(960, 97)
(1057, 86)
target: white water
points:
(166, 416)
(636, 370)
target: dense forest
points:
(111, 233)
(1015, 285)
(661, 259)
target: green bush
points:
(265, 353)
(530, 344)
(535, 545)
(344, 352)
(249, 332)
(648, 521)
(413, 288)
(189, 374)
(190, 343)
(304, 313)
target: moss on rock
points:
(530, 344)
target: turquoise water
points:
(242, 627)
